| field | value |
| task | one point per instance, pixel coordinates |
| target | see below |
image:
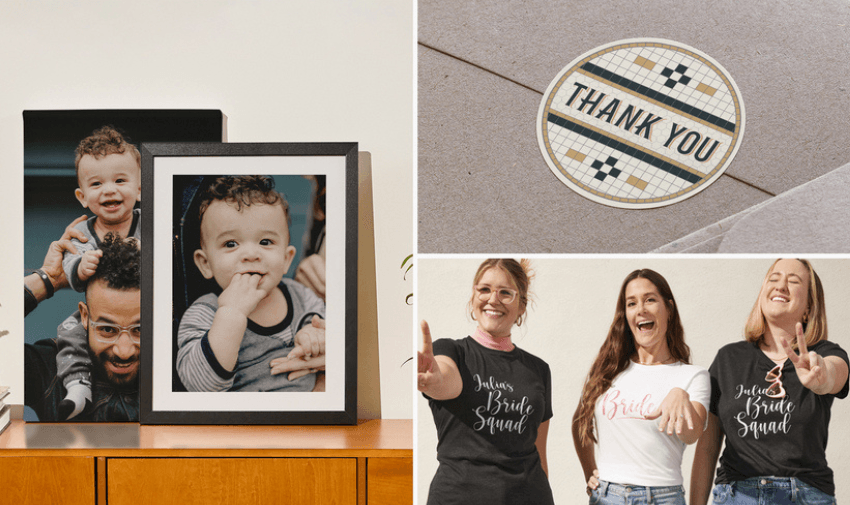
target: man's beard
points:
(117, 380)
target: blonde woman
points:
(491, 400)
(771, 399)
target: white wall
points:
(575, 301)
(323, 70)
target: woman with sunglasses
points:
(491, 401)
(771, 399)
(642, 401)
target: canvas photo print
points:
(82, 229)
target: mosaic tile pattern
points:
(640, 123)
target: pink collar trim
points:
(491, 342)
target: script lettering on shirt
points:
(624, 408)
(501, 413)
(491, 384)
(752, 420)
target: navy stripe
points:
(624, 148)
(659, 97)
(209, 354)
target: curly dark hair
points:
(102, 142)
(120, 265)
(242, 190)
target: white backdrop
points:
(574, 305)
(319, 71)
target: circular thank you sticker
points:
(640, 123)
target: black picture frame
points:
(172, 174)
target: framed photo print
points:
(249, 282)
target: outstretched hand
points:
(429, 372)
(810, 366)
(676, 412)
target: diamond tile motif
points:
(640, 123)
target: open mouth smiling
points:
(645, 325)
(122, 367)
(112, 204)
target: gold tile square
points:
(576, 155)
(640, 60)
(708, 90)
(634, 181)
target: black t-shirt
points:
(486, 435)
(782, 437)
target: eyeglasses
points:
(774, 376)
(109, 333)
(504, 295)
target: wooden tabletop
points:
(369, 438)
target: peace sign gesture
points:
(812, 369)
(437, 376)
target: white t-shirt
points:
(631, 449)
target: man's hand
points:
(53, 259)
(298, 367)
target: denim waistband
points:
(605, 488)
(791, 484)
(770, 482)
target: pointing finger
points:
(427, 347)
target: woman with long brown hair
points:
(771, 399)
(491, 400)
(642, 401)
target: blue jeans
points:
(608, 493)
(769, 491)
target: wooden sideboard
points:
(96, 464)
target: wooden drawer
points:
(390, 481)
(47, 480)
(235, 481)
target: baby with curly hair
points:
(231, 340)
(109, 178)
